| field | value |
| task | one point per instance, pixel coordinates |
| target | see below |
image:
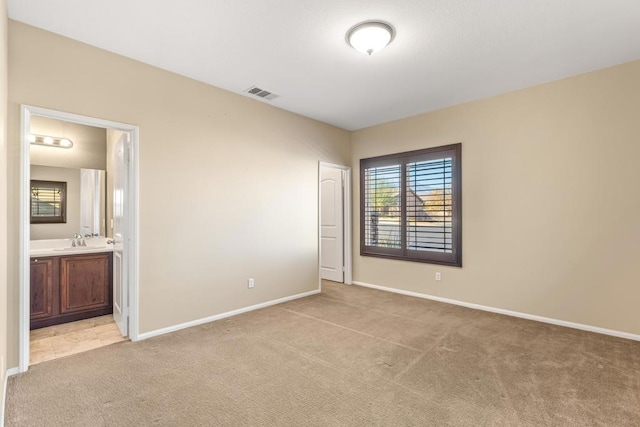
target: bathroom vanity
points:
(70, 285)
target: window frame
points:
(403, 253)
(54, 219)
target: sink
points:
(58, 247)
(80, 248)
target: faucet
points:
(78, 240)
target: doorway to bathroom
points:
(78, 234)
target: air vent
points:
(265, 94)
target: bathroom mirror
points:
(85, 202)
(81, 164)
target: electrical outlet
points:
(438, 276)
(251, 283)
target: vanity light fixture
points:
(370, 36)
(50, 141)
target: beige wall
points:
(3, 194)
(89, 149)
(550, 200)
(228, 185)
(72, 226)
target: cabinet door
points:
(41, 288)
(84, 283)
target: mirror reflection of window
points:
(48, 202)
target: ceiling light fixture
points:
(50, 141)
(370, 36)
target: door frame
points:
(346, 220)
(26, 111)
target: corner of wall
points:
(3, 203)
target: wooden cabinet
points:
(69, 288)
(41, 288)
(84, 283)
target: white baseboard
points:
(197, 322)
(542, 319)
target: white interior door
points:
(120, 236)
(331, 224)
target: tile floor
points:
(58, 341)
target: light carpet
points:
(349, 356)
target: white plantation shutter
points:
(382, 206)
(411, 206)
(429, 205)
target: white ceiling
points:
(445, 52)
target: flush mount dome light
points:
(370, 36)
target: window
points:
(48, 202)
(410, 206)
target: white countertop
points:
(61, 247)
